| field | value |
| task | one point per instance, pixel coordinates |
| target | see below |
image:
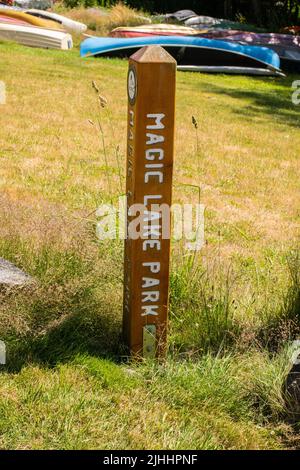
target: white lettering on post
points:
(152, 219)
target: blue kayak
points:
(190, 51)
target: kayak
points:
(289, 56)
(181, 15)
(195, 21)
(31, 20)
(68, 24)
(254, 38)
(36, 37)
(200, 22)
(188, 51)
(285, 45)
(152, 30)
(160, 29)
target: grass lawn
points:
(234, 309)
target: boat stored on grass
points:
(36, 37)
(201, 22)
(66, 23)
(7, 19)
(286, 45)
(31, 20)
(189, 51)
(159, 29)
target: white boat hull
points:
(36, 37)
(68, 24)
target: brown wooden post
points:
(151, 110)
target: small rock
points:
(11, 276)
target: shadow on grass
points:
(79, 333)
(285, 325)
(274, 102)
(69, 310)
(72, 312)
(74, 307)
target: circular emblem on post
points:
(132, 85)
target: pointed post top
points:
(154, 54)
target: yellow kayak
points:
(32, 20)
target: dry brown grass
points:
(248, 140)
(103, 21)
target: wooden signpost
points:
(151, 110)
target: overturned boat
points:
(159, 29)
(286, 45)
(36, 37)
(18, 15)
(200, 22)
(191, 51)
(66, 23)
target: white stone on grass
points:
(11, 276)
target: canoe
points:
(200, 22)
(176, 18)
(228, 70)
(285, 45)
(181, 15)
(254, 38)
(234, 35)
(188, 51)
(152, 30)
(36, 37)
(289, 56)
(31, 20)
(68, 24)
